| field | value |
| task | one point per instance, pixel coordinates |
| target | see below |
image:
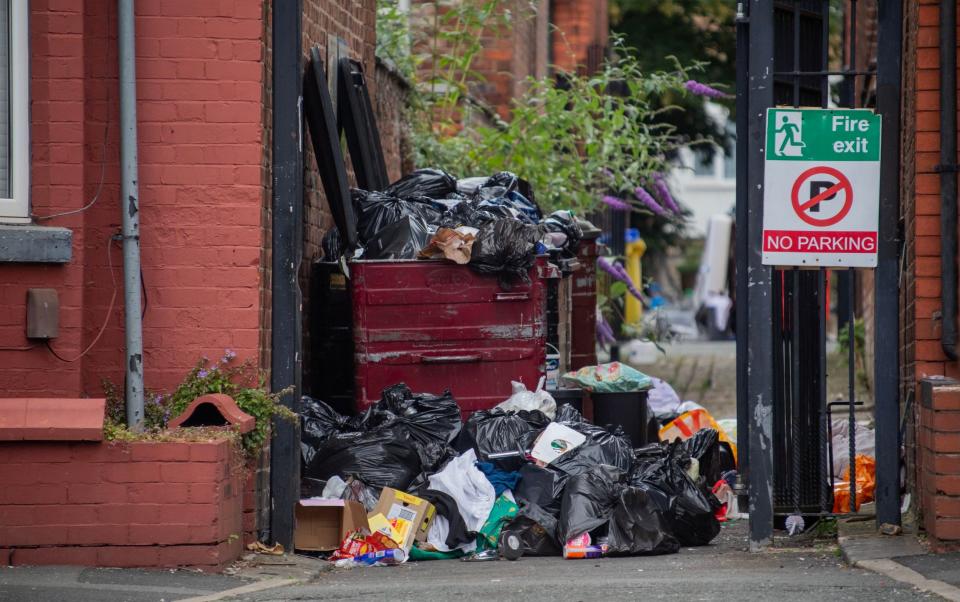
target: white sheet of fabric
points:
(522, 399)
(662, 400)
(437, 536)
(689, 406)
(469, 488)
(721, 304)
(865, 443)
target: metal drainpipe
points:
(948, 176)
(130, 205)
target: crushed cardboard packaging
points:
(408, 516)
(322, 524)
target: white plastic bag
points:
(522, 399)
(463, 481)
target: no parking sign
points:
(821, 188)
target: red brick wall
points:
(938, 463)
(200, 77)
(581, 25)
(931, 440)
(120, 504)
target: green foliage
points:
(589, 136)
(393, 38)
(241, 381)
(690, 31)
(859, 336)
(594, 135)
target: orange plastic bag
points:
(866, 483)
(685, 425)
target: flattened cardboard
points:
(322, 524)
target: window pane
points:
(5, 99)
(702, 162)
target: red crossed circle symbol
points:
(843, 184)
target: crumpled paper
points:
(456, 245)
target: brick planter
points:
(938, 462)
(143, 504)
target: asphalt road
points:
(723, 571)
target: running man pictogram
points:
(790, 140)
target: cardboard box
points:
(409, 515)
(322, 524)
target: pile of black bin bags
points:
(398, 222)
(642, 500)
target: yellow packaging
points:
(379, 523)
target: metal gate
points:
(784, 52)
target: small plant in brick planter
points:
(240, 380)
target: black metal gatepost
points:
(782, 408)
(886, 276)
(287, 249)
(759, 285)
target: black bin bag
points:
(541, 486)
(403, 239)
(506, 247)
(601, 447)
(688, 508)
(493, 431)
(429, 182)
(637, 526)
(377, 211)
(537, 530)
(429, 418)
(381, 458)
(588, 500)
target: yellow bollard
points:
(635, 249)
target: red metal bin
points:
(435, 325)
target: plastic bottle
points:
(388, 557)
(571, 553)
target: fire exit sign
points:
(821, 188)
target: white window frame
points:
(17, 208)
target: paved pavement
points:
(77, 584)
(724, 571)
(903, 557)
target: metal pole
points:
(130, 210)
(741, 306)
(826, 430)
(760, 338)
(852, 384)
(886, 284)
(287, 228)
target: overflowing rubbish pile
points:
(493, 224)
(407, 479)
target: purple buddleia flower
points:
(660, 185)
(626, 279)
(704, 90)
(202, 374)
(649, 201)
(619, 273)
(615, 203)
(605, 334)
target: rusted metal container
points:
(435, 325)
(583, 318)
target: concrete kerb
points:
(894, 570)
(862, 547)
